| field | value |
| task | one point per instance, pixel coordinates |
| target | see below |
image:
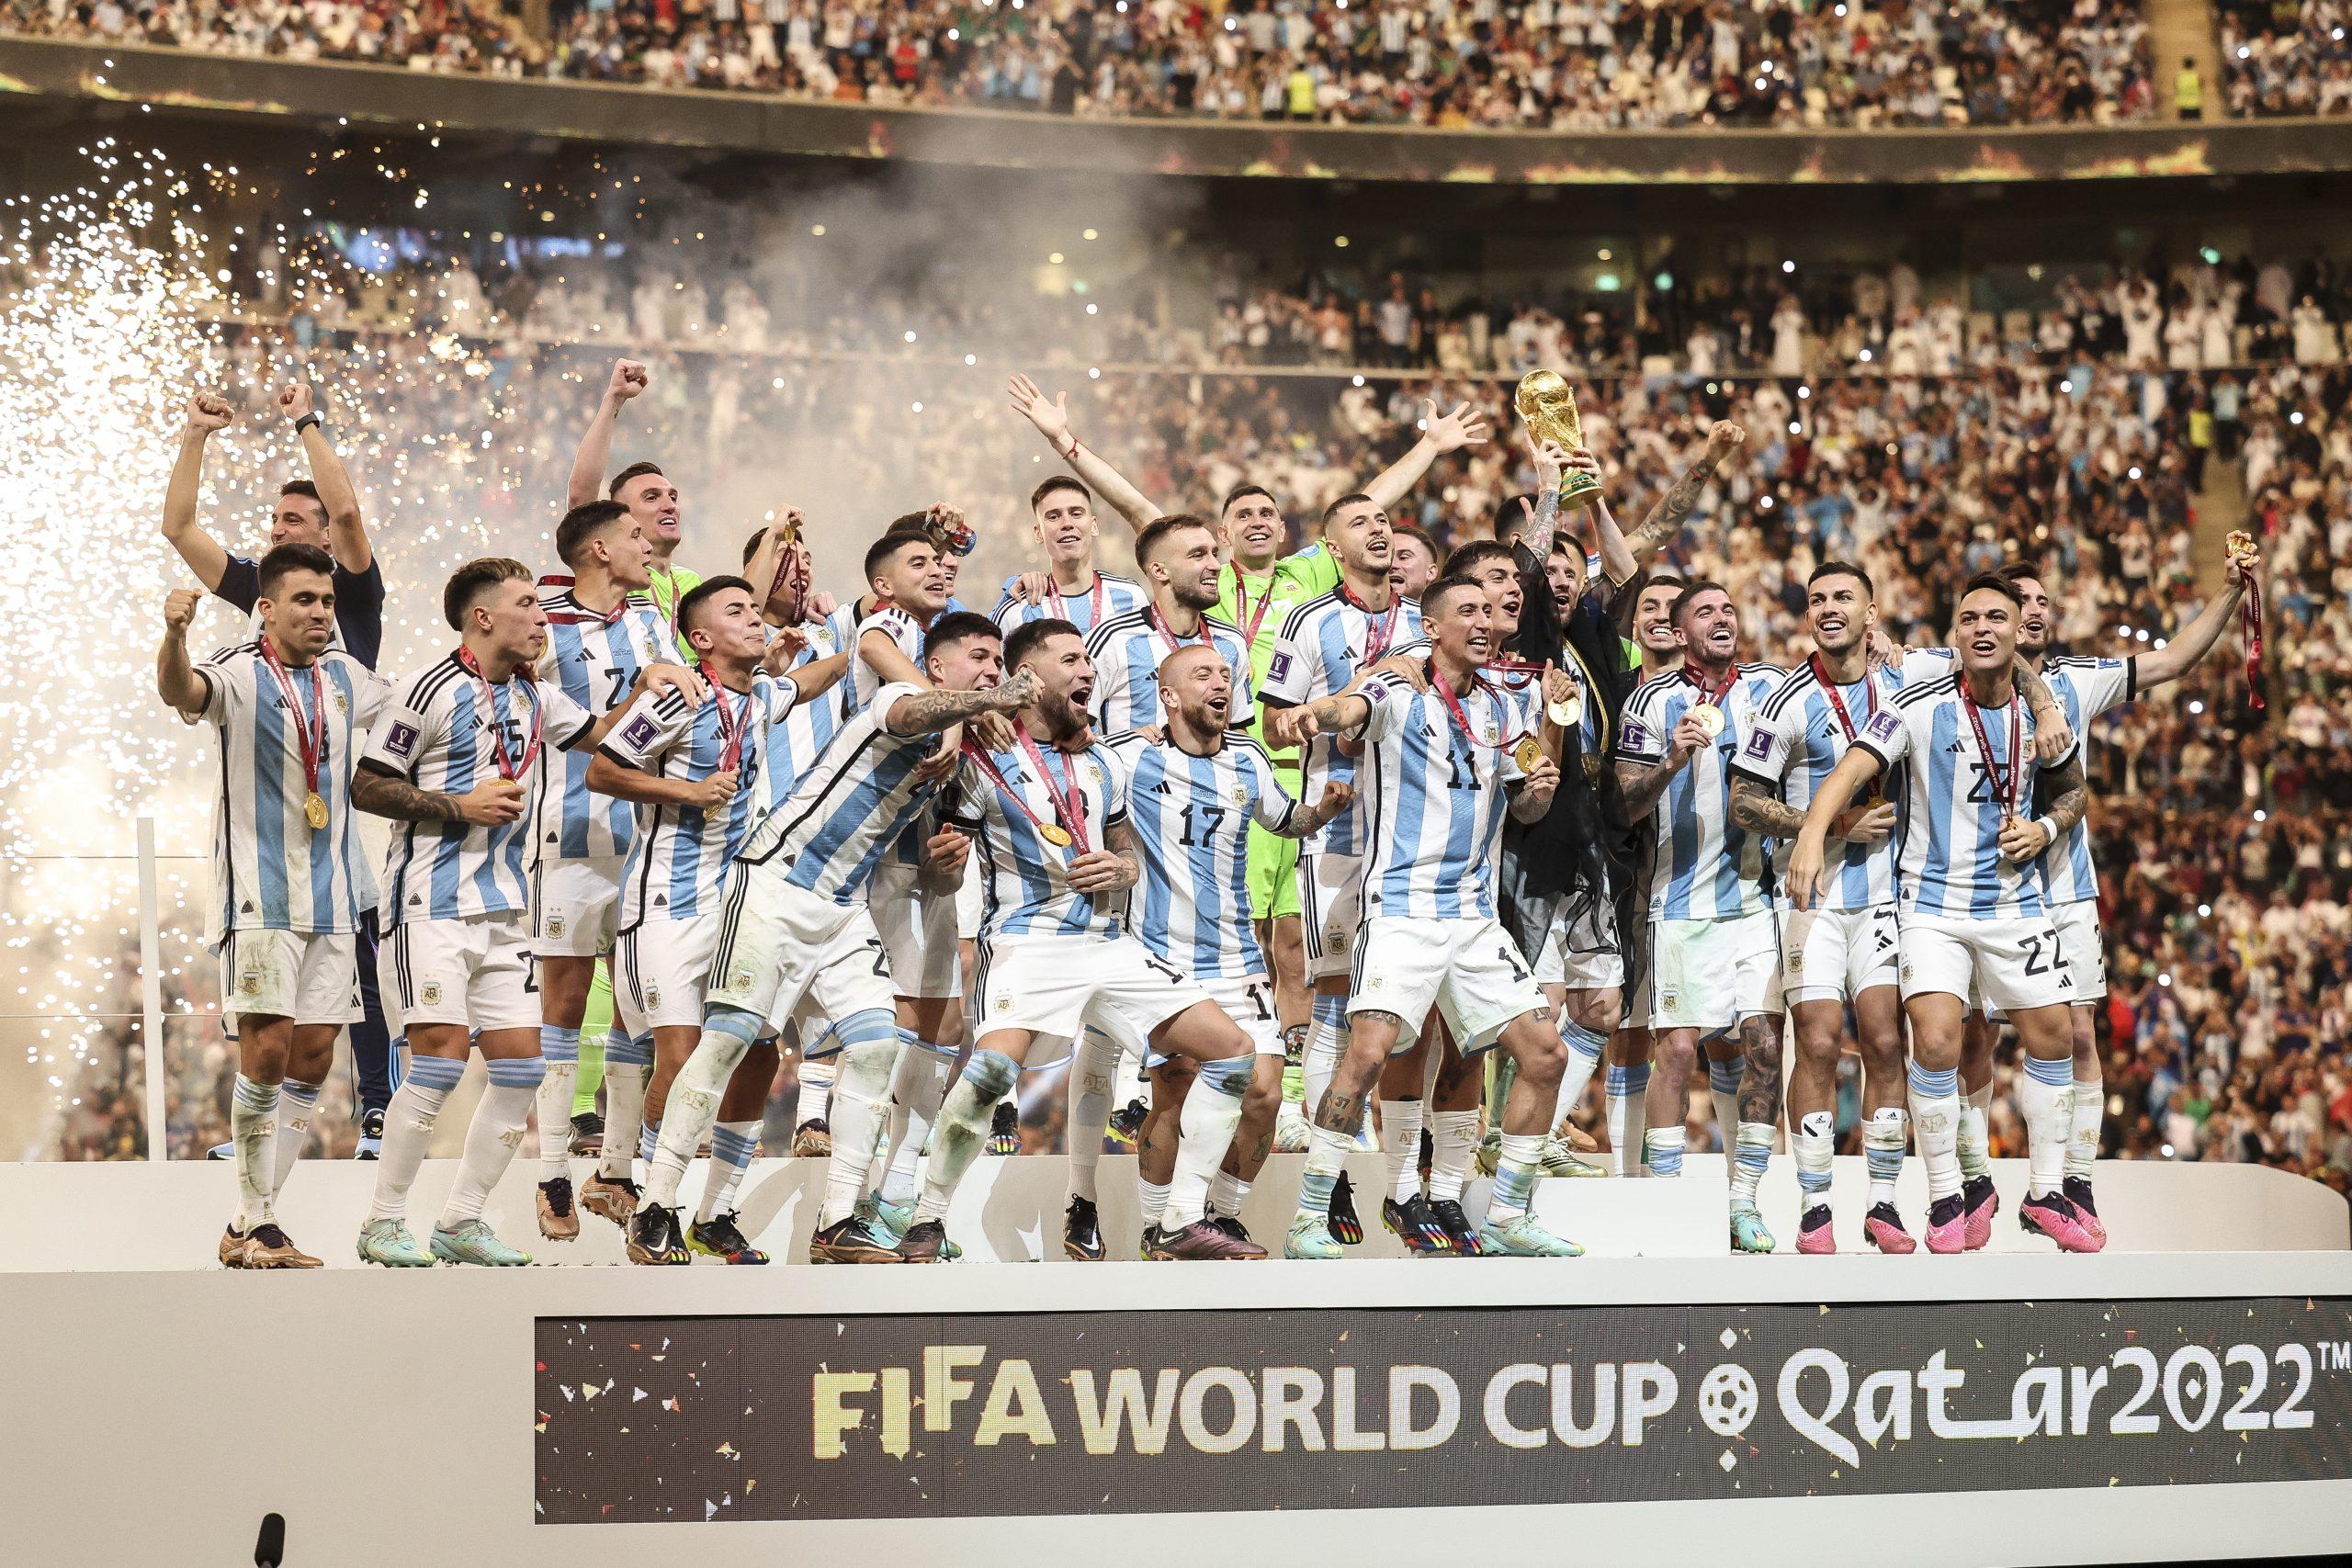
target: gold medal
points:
(1710, 717)
(1055, 834)
(1567, 711)
(314, 810)
(2239, 545)
(1527, 753)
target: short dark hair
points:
(1452, 581)
(300, 487)
(1414, 531)
(1998, 581)
(1351, 498)
(285, 560)
(1466, 556)
(1243, 492)
(1844, 568)
(634, 471)
(474, 579)
(2019, 570)
(702, 593)
(1029, 633)
(1160, 527)
(751, 544)
(960, 625)
(890, 545)
(1059, 481)
(1690, 590)
(583, 523)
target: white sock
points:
(1514, 1176)
(1400, 1140)
(408, 1131)
(500, 1118)
(1751, 1152)
(296, 1103)
(1883, 1136)
(1090, 1108)
(861, 1086)
(559, 1048)
(253, 1129)
(817, 1079)
(963, 1127)
(1453, 1135)
(2046, 1097)
(1153, 1198)
(1127, 1084)
(1662, 1151)
(919, 1086)
(1227, 1193)
(1204, 1132)
(628, 1067)
(1326, 1042)
(1629, 1116)
(1936, 1120)
(1816, 1143)
(691, 1108)
(732, 1145)
(1585, 1048)
(2090, 1111)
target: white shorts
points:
(917, 931)
(1331, 890)
(784, 953)
(2018, 962)
(2086, 949)
(659, 972)
(1056, 985)
(1469, 970)
(309, 978)
(1248, 999)
(968, 902)
(575, 907)
(1834, 955)
(1583, 954)
(1637, 976)
(1708, 975)
(475, 971)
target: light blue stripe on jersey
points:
(1190, 819)
(1712, 869)
(840, 838)
(595, 665)
(2084, 688)
(1435, 803)
(270, 740)
(1022, 897)
(1121, 595)
(1127, 654)
(1952, 862)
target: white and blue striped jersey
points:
(678, 861)
(1433, 798)
(1114, 595)
(433, 731)
(2084, 688)
(1797, 742)
(849, 806)
(270, 870)
(1024, 880)
(1707, 867)
(901, 628)
(594, 659)
(1190, 818)
(1128, 651)
(1322, 643)
(1950, 861)
(808, 727)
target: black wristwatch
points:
(306, 421)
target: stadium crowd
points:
(2290, 59)
(2090, 458)
(1543, 65)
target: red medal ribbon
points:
(1377, 633)
(1072, 818)
(733, 724)
(2004, 785)
(1506, 666)
(1167, 634)
(309, 735)
(1061, 605)
(508, 768)
(2250, 621)
(1454, 705)
(1714, 695)
(1837, 702)
(1249, 623)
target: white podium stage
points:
(2187, 1394)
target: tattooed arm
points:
(922, 712)
(489, 804)
(1674, 509)
(1753, 809)
(2023, 841)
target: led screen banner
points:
(972, 1414)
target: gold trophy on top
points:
(1547, 406)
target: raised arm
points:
(1674, 508)
(887, 659)
(595, 454)
(177, 681)
(925, 712)
(1051, 416)
(2179, 656)
(205, 414)
(1440, 433)
(347, 532)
